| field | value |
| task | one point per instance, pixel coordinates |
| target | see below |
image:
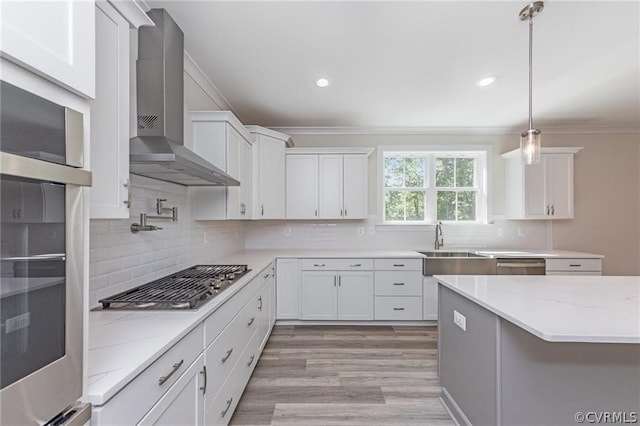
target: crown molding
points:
(446, 130)
(194, 71)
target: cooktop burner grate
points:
(183, 289)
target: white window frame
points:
(483, 155)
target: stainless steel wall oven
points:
(41, 270)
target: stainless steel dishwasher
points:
(520, 266)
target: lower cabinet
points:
(573, 266)
(341, 295)
(399, 290)
(287, 290)
(430, 298)
(201, 378)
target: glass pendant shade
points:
(530, 146)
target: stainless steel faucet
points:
(439, 238)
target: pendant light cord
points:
(530, 72)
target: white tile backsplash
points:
(120, 260)
(345, 235)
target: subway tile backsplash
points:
(120, 260)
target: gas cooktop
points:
(186, 289)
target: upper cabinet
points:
(268, 173)
(326, 185)
(220, 138)
(543, 190)
(110, 108)
(54, 39)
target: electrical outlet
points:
(372, 230)
(460, 320)
(204, 238)
(361, 230)
(287, 231)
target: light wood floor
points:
(345, 375)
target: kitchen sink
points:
(457, 263)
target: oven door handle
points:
(519, 265)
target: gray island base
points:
(496, 373)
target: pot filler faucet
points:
(439, 239)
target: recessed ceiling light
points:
(486, 81)
(322, 82)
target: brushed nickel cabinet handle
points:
(398, 309)
(398, 283)
(398, 264)
(204, 387)
(226, 357)
(251, 321)
(356, 265)
(547, 210)
(334, 280)
(251, 360)
(575, 265)
(553, 210)
(320, 265)
(162, 380)
(260, 300)
(224, 412)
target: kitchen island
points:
(539, 349)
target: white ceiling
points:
(414, 64)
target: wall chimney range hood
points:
(158, 151)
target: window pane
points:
(394, 205)
(446, 205)
(414, 172)
(465, 172)
(445, 172)
(393, 172)
(466, 205)
(415, 205)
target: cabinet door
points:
(559, 169)
(430, 299)
(330, 186)
(271, 179)
(287, 294)
(234, 141)
(245, 180)
(183, 403)
(110, 117)
(535, 178)
(356, 184)
(54, 39)
(302, 186)
(264, 302)
(318, 295)
(355, 295)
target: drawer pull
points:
(575, 265)
(251, 321)
(226, 357)
(204, 387)
(356, 265)
(224, 412)
(398, 264)
(265, 276)
(320, 265)
(398, 283)
(251, 360)
(398, 309)
(176, 366)
(259, 306)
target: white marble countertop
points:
(593, 309)
(123, 343)
(546, 253)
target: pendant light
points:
(530, 139)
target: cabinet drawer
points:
(400, 308)
(336, 264)
(218, 320)
(574, 265)
(221, 409)
(398, 264)
(222, 354)
(130, 404)
(398, 283)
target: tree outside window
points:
(456, 188)
(405, 182)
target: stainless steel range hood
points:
(157, 151)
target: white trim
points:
(200, 78)
(133, 12)
(221, 117)
(270, 132)
(449, 130)
(334, 150)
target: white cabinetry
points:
(543, 190)
(398, 289)
(110, 116)
(265, 299)
(220, 138)
(268, 168)
(326, 186)
(574, 266)
(339, 289)
(54, 39)
(287, 289)
(430, 298)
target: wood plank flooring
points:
(345, 375)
